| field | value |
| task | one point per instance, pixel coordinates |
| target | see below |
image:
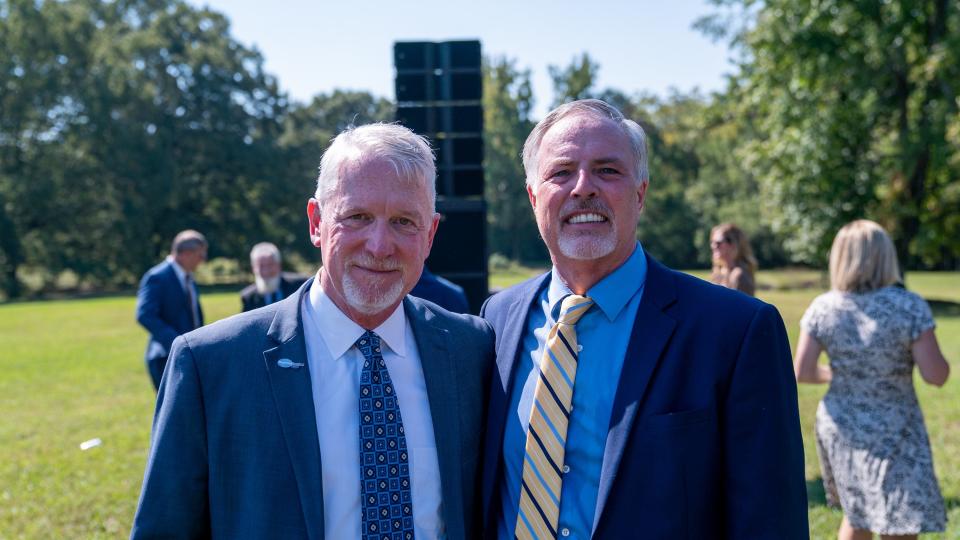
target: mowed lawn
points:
(72, 370)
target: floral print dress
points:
(872, 443)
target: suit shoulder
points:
(234, 331)
(248, 291)
(716, 300)
(501, 300)
(154, 273)
(452, 321)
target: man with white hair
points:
(270, 283)
(630, 400)
(348, 410)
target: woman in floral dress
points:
(873, 446)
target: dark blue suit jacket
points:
(164, 310)
(442, 292)
(234, 452)
(704, 438)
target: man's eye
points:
(403, 221)
(608, 170)
(356, 219)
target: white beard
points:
(583, 247)
(267, 286)
(372, 298)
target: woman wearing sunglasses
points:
(734, 265)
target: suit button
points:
(564, 532)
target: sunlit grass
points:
(73, 370)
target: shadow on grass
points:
(944, 308)
(816, 496)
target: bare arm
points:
(805, 365)
(934, 368)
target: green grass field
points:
(73, 370)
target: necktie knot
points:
(572, 308)
(369, 344)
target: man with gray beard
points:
(348, 410)
(270, 283)
(630, 400)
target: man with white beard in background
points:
(270, 283)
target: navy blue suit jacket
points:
(250, 298)
(442, 292)
(704, 437)
(163, 309)
(234, 452)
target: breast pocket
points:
(694, 419)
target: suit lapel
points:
(174, 279)
(651, 332)
(439, 374)
(293, 396)
(511, 332)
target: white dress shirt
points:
(335, 365)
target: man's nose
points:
(585, 186)
(380, 239)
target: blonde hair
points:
(863, 258)
(738, 239)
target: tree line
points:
(124, 122)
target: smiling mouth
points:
(586, 218)
(377, 270)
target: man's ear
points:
(314, 217)
(642, 194)
(433, 231)
(533, 198)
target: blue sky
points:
(641, 46)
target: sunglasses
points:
(718, 243)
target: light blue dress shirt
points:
(335, 366)
(603, 333)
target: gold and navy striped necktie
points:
(543, 465)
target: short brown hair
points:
(863, 258)
(188, 240)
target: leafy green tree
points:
(507, 104)
(574, 81)
(132, 121)
(853, 104)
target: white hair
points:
(265, 248)
(409, 153)
(591, 107)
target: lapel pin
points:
(288, 363)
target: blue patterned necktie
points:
(386, 500)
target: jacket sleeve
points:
(763, 450)
(149, 301)
(173, 501)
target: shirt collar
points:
(340, 333)
(611, 293)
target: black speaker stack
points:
(439, 87)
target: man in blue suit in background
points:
(347, 410)
(631, 401)
(441, 291)
(168, 301)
